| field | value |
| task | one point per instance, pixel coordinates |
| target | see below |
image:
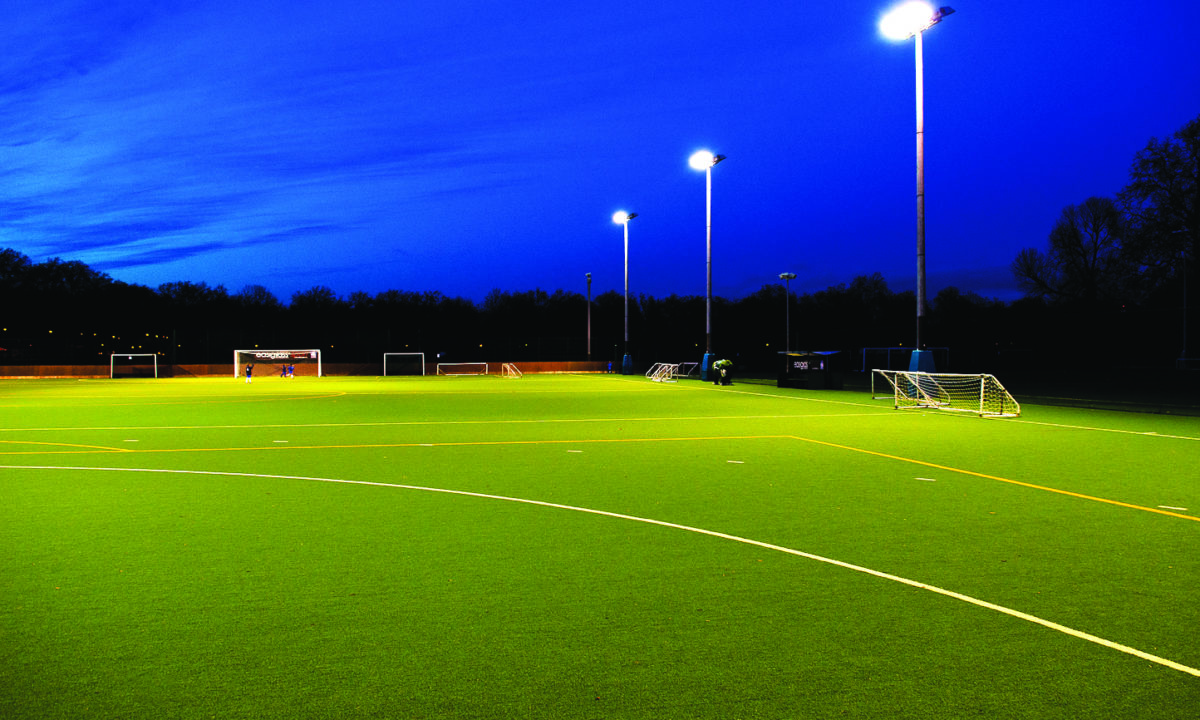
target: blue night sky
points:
(460, 147)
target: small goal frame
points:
(112, 362)
(979, 393)
(449, 369)
(419, 355)
(276, 356)
(510, 370)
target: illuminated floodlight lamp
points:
(703, 160)
(911, 18)
(621, 217)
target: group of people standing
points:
(285, 371)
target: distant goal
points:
(465, 368)
(133, 365)
(509, 370)
(403, 363)
(268, 362)
(980, 394)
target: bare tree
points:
(1086, 260)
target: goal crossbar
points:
(112, 361)
(401, 359)
(981, 394)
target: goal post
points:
(462, 368)
(981, 393)
(403, 363)
(132, 365)
(510, 370)
(307, 362)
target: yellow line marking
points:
(997, 478)
(87, 448)
(701, 531)
(497, 443)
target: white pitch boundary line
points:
(662, 523)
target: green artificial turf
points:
(237, 580)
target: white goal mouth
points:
(137, 365)
(981, 394)
(268, 362)
(403, 363)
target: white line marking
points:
(574, 451)
(279, 441)
(131, 441)
(927, 479)
(736, 462)
(1169, 507)
(701, 531)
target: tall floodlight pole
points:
(621, 217)
(787, 279)
(589, 317)
(912, 19)
(705, 160)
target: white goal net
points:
(509, 370)
(133, 365)
(663, 372)
(467, 368)
(981, 394)
(403, 363)
(276, 362)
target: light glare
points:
(620, 217)
(701, 160)
(906, 20)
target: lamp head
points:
(703, 160)
(908, 19)
(621, 217)
(787, 276)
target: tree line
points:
(1109, 287)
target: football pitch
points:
(587, 547)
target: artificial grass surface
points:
(139, 594)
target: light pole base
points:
(627, 365)
(706, 368)
(921, 361)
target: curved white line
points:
(662, 523)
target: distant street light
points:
(787, 279)
(705, 160)
(589, 317)
(911, 20)
(622, 218)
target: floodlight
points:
(911, 18)
(621, 217)
(787, 276)
(703, 160)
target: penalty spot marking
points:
(687, 528)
